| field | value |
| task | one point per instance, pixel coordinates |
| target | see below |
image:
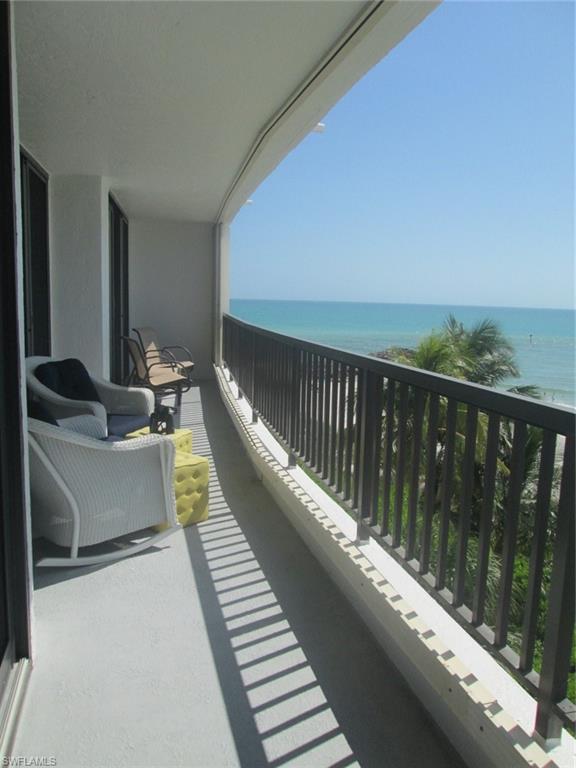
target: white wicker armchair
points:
(85, 491)
(115, 399)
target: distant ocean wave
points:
(543, 339)
(560, 397)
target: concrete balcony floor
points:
(227, 645)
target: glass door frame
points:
(119, 292)
(15, 581)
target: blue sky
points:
(445, 176)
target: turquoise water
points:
(546, 360)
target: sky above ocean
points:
(446, 175)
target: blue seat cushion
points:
(68, 378)
(121, 424)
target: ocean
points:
(543, 339)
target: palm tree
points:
(482, 355)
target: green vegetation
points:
(484, 356)
(481, 354)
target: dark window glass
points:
(14, 597)
(119, 316)
(36, 257)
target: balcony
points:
(470, 490)
(229, 645)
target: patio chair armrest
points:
(63, 407)
(118, 399)
(184, 349)
(160, 357)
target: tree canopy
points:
(481, 354)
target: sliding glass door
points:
(36, 256)
(119, 289)
(14, 581)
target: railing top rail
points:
(553, 417)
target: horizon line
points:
(407, 303)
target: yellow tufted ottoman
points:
(191, 487)
(182, 438)
(191, 477)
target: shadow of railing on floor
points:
(301, 677)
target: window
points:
(119, 317)
(36, 257)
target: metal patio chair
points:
(163, 378)
(154, 353)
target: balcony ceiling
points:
(168, 98)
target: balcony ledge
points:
(464, 689)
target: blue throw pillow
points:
(68, 378)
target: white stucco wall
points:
(172, 285)
(79, 264)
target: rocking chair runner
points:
(163, 378)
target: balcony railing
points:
(470, 488)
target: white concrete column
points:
(80, 270)
(221, 284)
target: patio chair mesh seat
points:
(165, 376)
